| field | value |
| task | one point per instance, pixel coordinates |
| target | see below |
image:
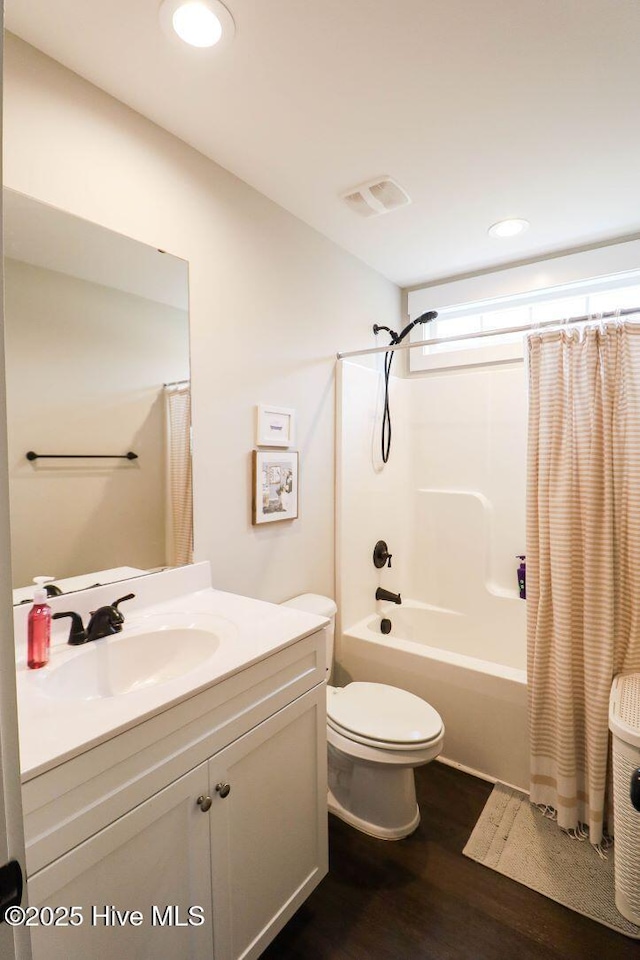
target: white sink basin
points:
(130, 662)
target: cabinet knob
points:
(204, 803)
(223, 789)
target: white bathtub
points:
(470, 668)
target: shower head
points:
(423, 318)
(398, 337)
(426, 317)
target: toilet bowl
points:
(376, 735)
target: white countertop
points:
(54, 728)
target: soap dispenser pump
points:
(39, 626)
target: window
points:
(583, 297)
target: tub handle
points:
(381, 555)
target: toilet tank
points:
(322, 607)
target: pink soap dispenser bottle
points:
(39, 627)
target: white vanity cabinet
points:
(156, 855)
(268, 842)
(219, 802)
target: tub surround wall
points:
(468, 434)
(271, 301)
(371, 499)
(450, 501)
(452, 534)
(451, 504)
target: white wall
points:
(85, 367)
(271, 301)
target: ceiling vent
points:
(381, 195)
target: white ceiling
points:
(481, 109)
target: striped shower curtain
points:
(583, 559)
(179, 497)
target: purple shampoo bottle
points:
(522, 576)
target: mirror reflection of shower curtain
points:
(179, 494)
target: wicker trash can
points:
(624, 723)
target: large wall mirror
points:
(97, 366)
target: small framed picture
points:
(275, 486)
(275, 427)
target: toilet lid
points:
(380, 712)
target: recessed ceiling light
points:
(200, 23)
(508, 228)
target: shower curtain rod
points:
(529, 327)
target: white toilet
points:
(376, 735)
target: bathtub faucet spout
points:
(387, 595)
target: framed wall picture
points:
(275, 486)
(275, 426)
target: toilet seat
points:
(382, 716)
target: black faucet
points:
(77, 632)
(104, 622)
(107, 620)
(387, 595)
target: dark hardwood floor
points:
(421, 899)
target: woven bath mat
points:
(513, 838)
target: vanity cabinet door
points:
(155, 856)
(269, 828)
